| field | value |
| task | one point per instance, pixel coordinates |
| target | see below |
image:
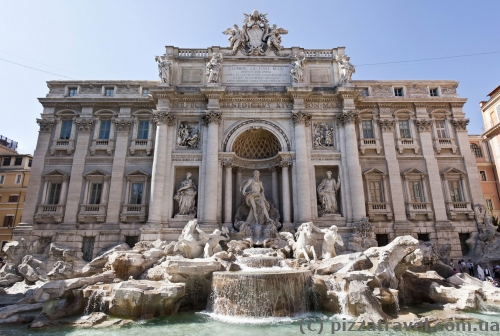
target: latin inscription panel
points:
(255, 74)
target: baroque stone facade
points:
(395, 153)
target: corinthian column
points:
(228, 192)
(274, 174)
(212, 120)
(348, 119)
(237, 186)
(161, 119)
(301, 119)
(285, 190)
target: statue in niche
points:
(297, 70)
(346, 69)
(330, 238)
(213, 68)
(258, 227)
(211, 241)
(186, 197)
(187, 136)
(327, 192)
(323, 136)
(163, 69)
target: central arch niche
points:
(256, 144)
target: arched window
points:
(476, 150)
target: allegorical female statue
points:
(186, 197)
(327, 191)
(163, 69)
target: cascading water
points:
(265, 293)
(95, 302)
(341, 294)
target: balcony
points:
(67, 145)
(457, 208)
(373, 143)
(106, 145)
(419, 208)
(141, 144)
(407, 143)
(440, 143)
(49, 213)
(377, 209)
(92, 213)
(134, 212)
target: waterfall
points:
(96, 302)
(341, 294)
(270, 293)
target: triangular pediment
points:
(374, 171)
(413, 171)
(137, 172)
(96, 172)
(55, 172)
(452, 171)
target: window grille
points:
(88, 248)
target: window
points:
(6, 161)
(88, 248)
(2, 179)
(423, 237)
(489, 204)
(382, 239)
(441, 129)
(8, 221)
(398, 92)
(482, 175)
(367, 129)
(18, 179)
(143, 130)
(434, 92)
(18, 161)
(404, 129)
(416, 191)
(131, 240)
(13, 198)
(476, 150)
(145, 92)
(72, 92)
(455, 191)
(54, 193)
(105, 129)
(66, 126)
(95, 193)
(136, 193)
(30, 162)
(109, 92)
(376, 191)
(365, 93)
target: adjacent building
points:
(119, 161)
(14, 176)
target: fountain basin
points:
(261, 293)
(260, 261)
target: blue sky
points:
(119, 39)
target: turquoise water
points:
(192, 323)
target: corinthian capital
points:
(46, 125)
(387, 125)
(301, 117)
(212, 116)
(123, 124)
(347, 117)
(460, 124)
(424, 125)
(161, 117)
(84, 124)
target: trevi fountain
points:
(249, 255)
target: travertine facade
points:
(119, 151)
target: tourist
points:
(455, 271)
(496, 272)
(487, 273)
(464, 266)
(470, 266)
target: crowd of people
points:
(483, 272)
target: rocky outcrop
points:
(363, 303)
(32, 269)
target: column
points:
(396, 187)
(285, 190)
(356, 192)
(160, 118)
(237, 199)
(123, 126)
(76, 181)
(438, 201)
(168, 186)
(212, 120)
(274, 174)
(64, 190)
(36, 178)
(301, 119)
(228, 192)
